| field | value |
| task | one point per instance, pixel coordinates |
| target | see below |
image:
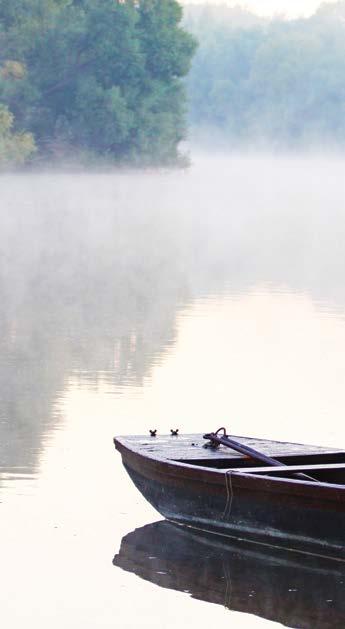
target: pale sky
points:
(290, 8)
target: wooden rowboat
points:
(296, 502)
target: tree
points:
(15, 148)
(102, 75)
(275, 82)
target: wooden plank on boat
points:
(289, 469)
(191, 448)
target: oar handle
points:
(254, 454)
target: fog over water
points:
(137, 300)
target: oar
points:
(225, 440)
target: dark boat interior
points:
(280, 459)
(327, 468)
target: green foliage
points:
(100, 75)
(167, 50)
(15, 148)
(269, 81)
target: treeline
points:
(105, 79)
(274, 82)
(92, 78)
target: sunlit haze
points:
(289, 8)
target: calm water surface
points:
(129, 302)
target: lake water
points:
(132, 301)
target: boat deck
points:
(191, 449)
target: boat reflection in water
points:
(294, 589)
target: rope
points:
(229, 495)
